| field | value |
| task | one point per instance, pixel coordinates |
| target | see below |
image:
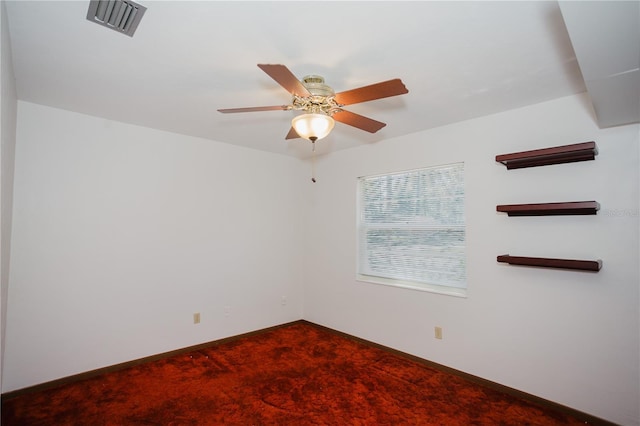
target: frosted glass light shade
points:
(313, 126)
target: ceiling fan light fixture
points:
(313, 126)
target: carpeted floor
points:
(296, 375)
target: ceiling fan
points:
(321, 105)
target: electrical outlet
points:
(283, 300)
(196, 318)
(227, 311)
(438, 331)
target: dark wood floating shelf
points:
(550, 209)
(556, 155)
(583, 265)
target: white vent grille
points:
(119, 15)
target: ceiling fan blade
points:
(292, 134)
(359, 121)
(369, 93)
(255, 109)
(285, 78)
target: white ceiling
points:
(187, 59)
(606, 38)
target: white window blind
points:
(412, 229)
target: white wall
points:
(568, 336)
(8, 107)
(121, 233)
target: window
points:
(411, 229)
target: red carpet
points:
(295, 375)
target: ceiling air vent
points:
(119, 15)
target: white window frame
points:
(364, 273)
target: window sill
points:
(429, 288)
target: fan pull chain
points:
(313, 161)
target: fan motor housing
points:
(315, 85)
